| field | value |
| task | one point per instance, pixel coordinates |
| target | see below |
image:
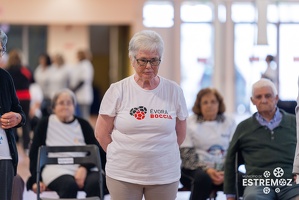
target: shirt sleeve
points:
(182, 111)
(111, 101)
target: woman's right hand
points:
(41, 185)
(216, 176)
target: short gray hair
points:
(264, 82)
(146, 40)
(3, 40)
(62, 91)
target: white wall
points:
(67, 40)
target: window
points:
(158, 14)
(197, 39)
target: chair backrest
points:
(238, 183)
(89, 155)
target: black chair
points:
(238, 182)
(213, 194)
(92, 157)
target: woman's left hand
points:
(80, 176)
(10, 120)
(216, 176)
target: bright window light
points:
(289, 12)
(158, 14)
(222, 13)
(272, 13)
(196, 12)
(243, 12)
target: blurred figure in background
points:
(271, 70)
(37, 97)
(22, 78)
(42, 78)
(59, 73)
(81, 83)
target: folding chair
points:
(92, 157)
(238, 181)
(213, 194)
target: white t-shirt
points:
(83, 71)
(62, 134)
(4, 148)
(60, 78)
(42, 78)
(210, 138)
(144, 147)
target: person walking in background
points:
(22, 78)
(59, 73)
(271, 72)
(42, 78)
(12, 116)
(203, 152)
(141, 123)
(81, 83)
(37, 97)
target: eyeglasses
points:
(64, 103)
(143, 62)
(2, 52)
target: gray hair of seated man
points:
(3, 39)
(264, 82)
(146, 40)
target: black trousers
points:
(7, 175)
(199, 182)
(66, 186)
(26, 128)
(18, 188)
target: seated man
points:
(267, 143)
(296, 159)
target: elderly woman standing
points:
(208, 135)
(62, 128)
(141, 123)
(12, 115)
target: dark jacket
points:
(9, 102)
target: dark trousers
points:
(18, 188)
(199, 182)
(7, 175)
(66, 186)
(26, 128)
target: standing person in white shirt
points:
(81, 83)
(42, 78)
(59, 73)
(141, 123)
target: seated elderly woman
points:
(208, 135)
(62, 128)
